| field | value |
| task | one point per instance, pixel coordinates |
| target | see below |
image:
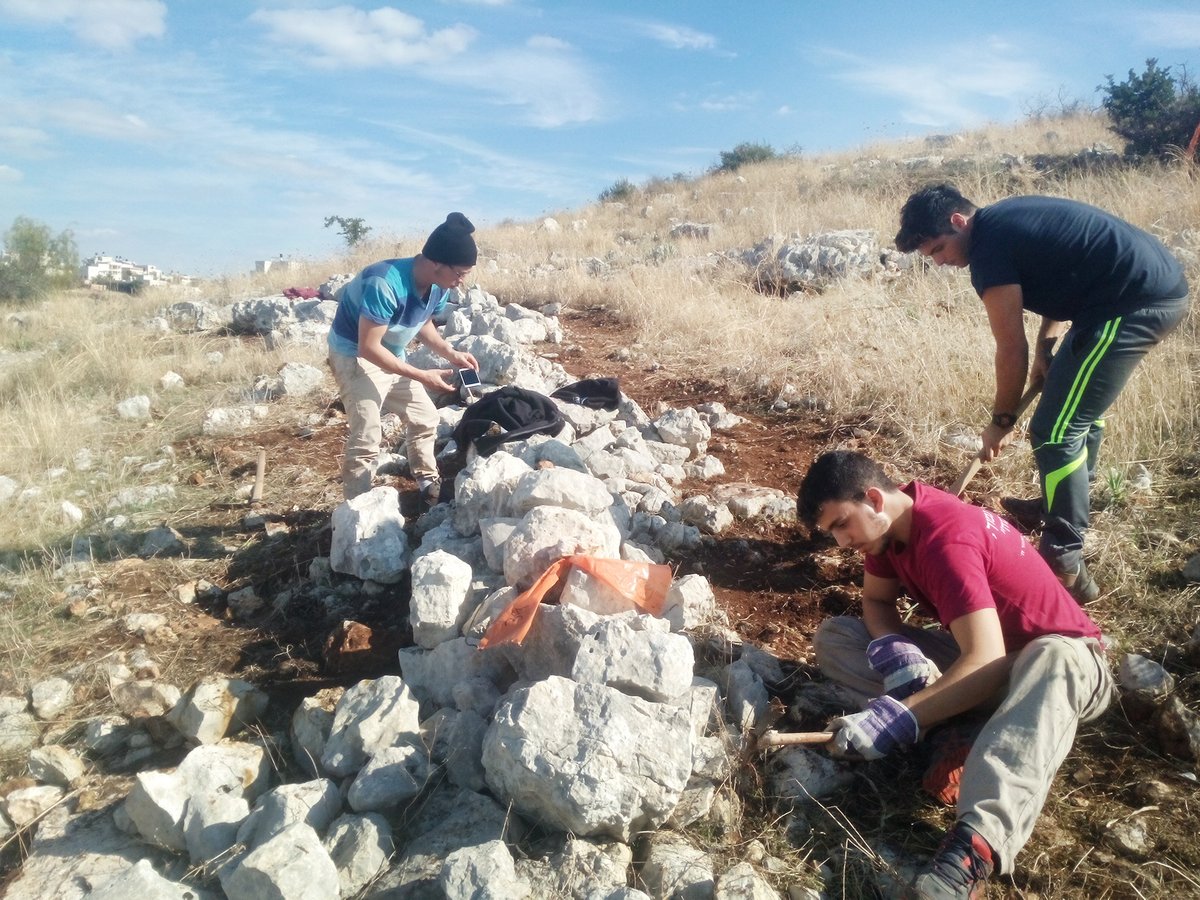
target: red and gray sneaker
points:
(959, 870)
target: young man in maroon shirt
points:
(1011, 639)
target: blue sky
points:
(200, 135)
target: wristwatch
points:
(1004, 420)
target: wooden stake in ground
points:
(260, 471)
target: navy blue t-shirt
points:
(1073, 261)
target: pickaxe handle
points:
(791, 738)
(976, 462)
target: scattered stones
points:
(50, 697)
(55, 765)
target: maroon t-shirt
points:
(961, 558)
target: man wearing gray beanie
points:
(379, 313)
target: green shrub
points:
(618, 192)
(1155, 112)
(36, 262)
(744, 154)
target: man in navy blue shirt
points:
(1121, 291)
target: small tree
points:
(744, 154)
(354, 231)
(36, 261)
(1154, 112)
(619, 191)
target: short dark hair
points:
(926, 215)
(835, 476)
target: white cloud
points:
(728, 102)
(114, 24)
(344, 37)
(9, 175)
(515, 173)
(1167, 29)
(546, 42)
(929, 96)
(677, 37)
(97, 119)
(22, 139)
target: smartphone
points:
(468, 378)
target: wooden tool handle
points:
(789, 738)
(976, 463)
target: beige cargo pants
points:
(1055, 684)
(368, 393)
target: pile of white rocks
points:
(815, 261)
(604, 725)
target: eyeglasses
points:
(458, 273)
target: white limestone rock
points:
(141, 882)
(484, 488)
(685, 427)
(311, 724)
(371, 715)
(801, 775)
(23, 806)
(483, 872)
(560, 487)
(690, 602)
(368, 537)
(637, 658)
(314, 803)
(210, 825)
(134, 409)
(441, 594)
(587, 758)
(673, 867)
(432, 675)
(495, 533)
(215, 707)
(548, 533)
(391, 777)
(743, 882)
(292, 865)
(359, 845)
(49, 697)
(55, 764)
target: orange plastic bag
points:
(644, 583)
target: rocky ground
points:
(773, 582)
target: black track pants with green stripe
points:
(1091, 367)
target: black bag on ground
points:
(508, 414)
(594, 393)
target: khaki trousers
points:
(368, 393)
(1055, 684)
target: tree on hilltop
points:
(1155, 112)
(36, 261)
(354, 231)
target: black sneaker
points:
(1027, 514)
(1081, 585)
(959, 870)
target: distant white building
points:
(118, 270)
(283, 263)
